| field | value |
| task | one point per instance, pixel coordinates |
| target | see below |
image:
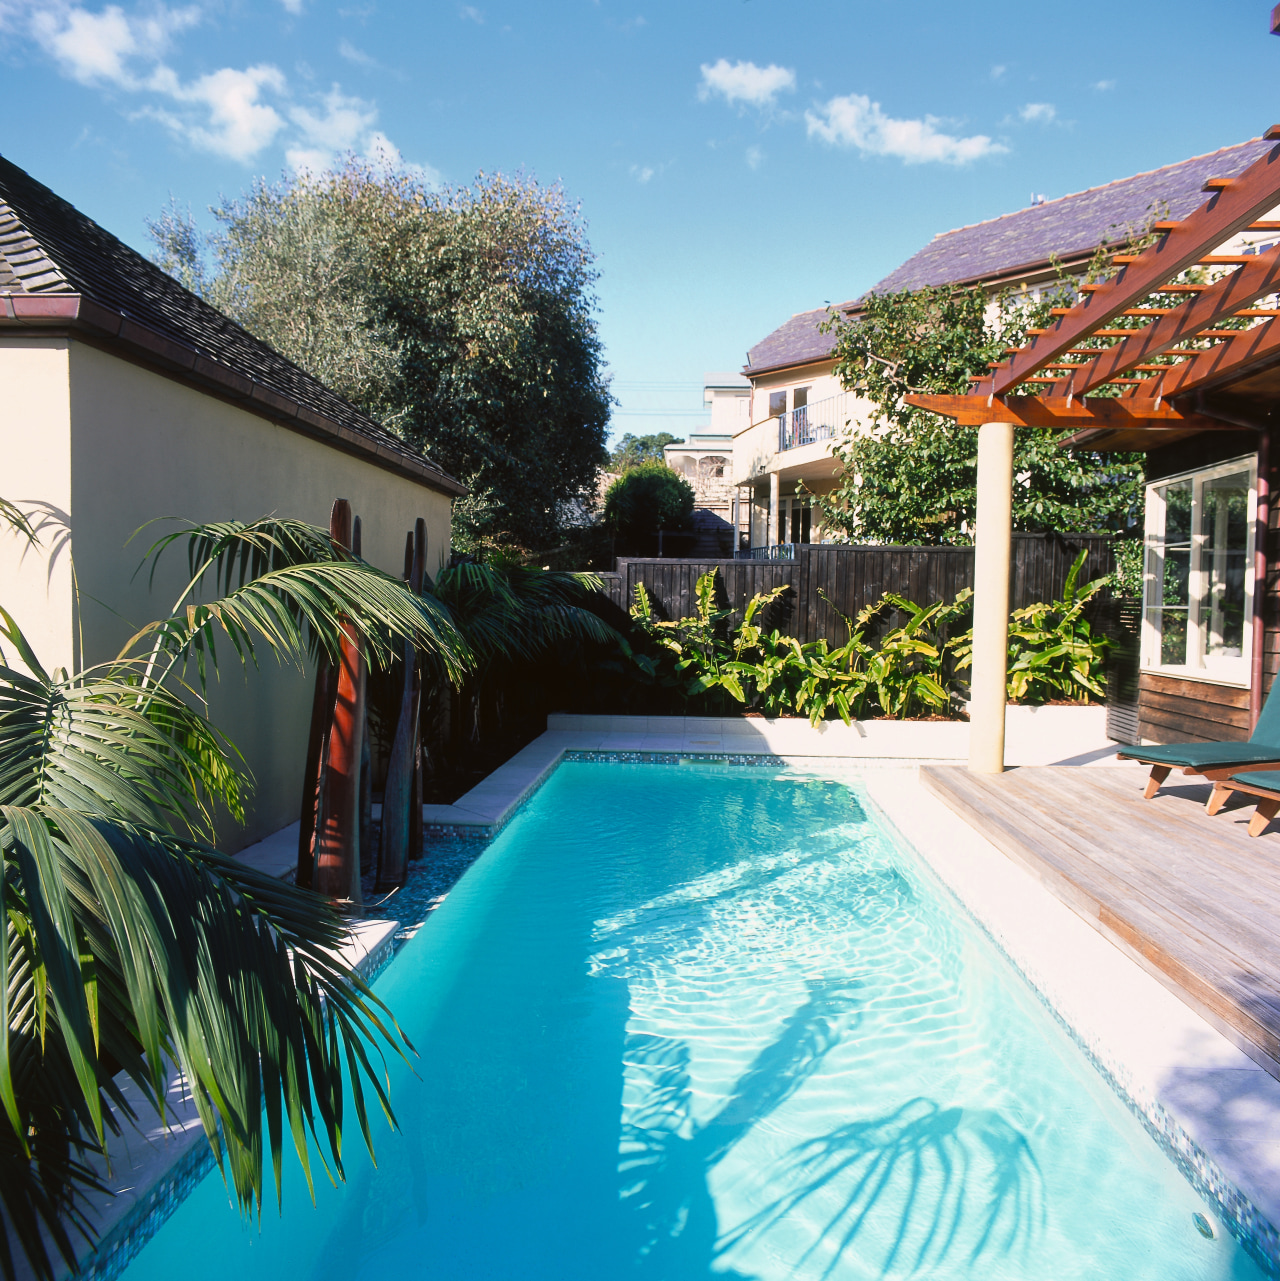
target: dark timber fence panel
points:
(850, 578)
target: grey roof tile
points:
(49, 246)
(1068, 226)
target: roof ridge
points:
(1102, 186)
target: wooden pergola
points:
(1187, 368)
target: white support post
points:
(993, 539)
(775, 491)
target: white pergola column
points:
(775, 492)
(993, 538)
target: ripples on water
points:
(698, 1022)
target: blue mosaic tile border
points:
(124, 1242)
(1255, 1232)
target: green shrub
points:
(647, 498)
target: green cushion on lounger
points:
(1205, 755)
(1263, 745)
(1269, 779)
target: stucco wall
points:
(35, 473)
(143, 446)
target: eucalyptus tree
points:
(461, 318)
(131, 944)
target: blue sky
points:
(736, 160)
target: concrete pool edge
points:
(1212, 1109)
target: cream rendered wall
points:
(35, 473)
(144, 446)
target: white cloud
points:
(344, 122)
(642, 173)
(745, 82)
(292, 6)
(1103, 85)
(99, 47)
(1038, 113)
(755, 157)
(348, 51)
(997, 72)
(472, 14)
(855, 121)
(236, 123)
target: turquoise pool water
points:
(695, 1022)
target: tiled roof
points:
(1068, 227)
(792, 344)
(49, 249)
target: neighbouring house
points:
(1197, 388)
(705, 460)
(783, 455)
(127, 400)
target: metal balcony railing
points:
(809, 424)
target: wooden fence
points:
(853, 577)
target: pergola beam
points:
(1236, 204)
(1235, 357)
(1064, 413)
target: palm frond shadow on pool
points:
(972, 1184)
(942, 1152)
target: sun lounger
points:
(1265, 786)
(1215, 761)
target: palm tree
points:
(131, 944)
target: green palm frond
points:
(520, 613)
(158, 949)
(286, 583)
(12, 515)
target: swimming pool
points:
(700, 1021)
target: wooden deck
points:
(1193, 899)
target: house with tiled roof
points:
(798, 408)
(127, 399)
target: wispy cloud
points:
(348, 51)
(292, 6)
(855, 121)
(471, 14)
(997, 72)
(745, 82)
(755, 157)
(1042, 113)
(1103, 85)
(106, 47)
(232, 112)
(642, 173)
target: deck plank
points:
(1194, 899)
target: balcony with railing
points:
(809, 424)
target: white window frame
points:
(1220, 671)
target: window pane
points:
(799, 398)
(777, 403)
(1224, 530)
(1169, 575)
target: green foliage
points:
(463, 319)
(647, 498)
(913, 479)
(1053, 652)
(900, 660)
(1128, 576)
(130, 942)
(631, 450)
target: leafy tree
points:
(631, 450)
(646, 498)
(463, 319)
(912, 479)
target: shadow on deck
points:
(1193, 899)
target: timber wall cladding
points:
(1171, 710)
(854, 577)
